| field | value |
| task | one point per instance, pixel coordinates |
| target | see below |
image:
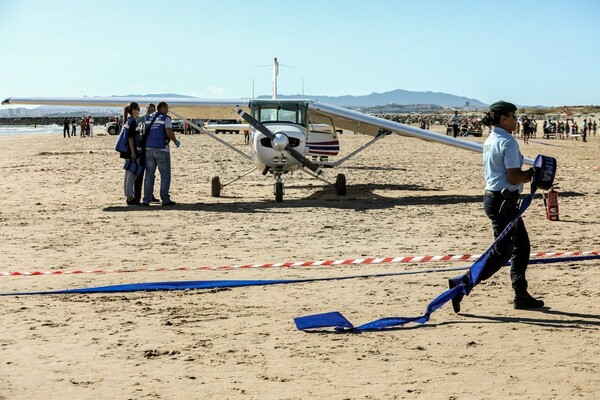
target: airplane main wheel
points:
(279, 192)
(340, 184)
(215, 186)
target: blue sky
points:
(528, 52)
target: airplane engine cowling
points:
(272, 153)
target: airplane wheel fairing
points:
(340, 184)
(279, 192)
(215, 186)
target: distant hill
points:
(398, 96)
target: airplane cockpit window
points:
(268, 114)
(280, 115)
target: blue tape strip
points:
(302, 321)
(199, 285)
(186, 285)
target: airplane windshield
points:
(294, 113)
(280, 115)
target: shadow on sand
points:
(544, 318)
(359, 198)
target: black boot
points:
(458, 298)
(525, 301)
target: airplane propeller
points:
(279, 141)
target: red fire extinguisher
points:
(552, 205)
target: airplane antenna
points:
(275, 73)
(275, 65)
(302, 88)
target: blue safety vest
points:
(157, 134)
(122, 142)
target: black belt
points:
(497, 194)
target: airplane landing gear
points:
(215, 186)
(340, 184)
(278, 188)
(279, 192)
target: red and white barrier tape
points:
(577, 167)
(358, 261)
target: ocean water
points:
(30, 129)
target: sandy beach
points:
(62, 208)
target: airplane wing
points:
(225, 109)
(189, 107)
(370, 125)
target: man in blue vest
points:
(159, 132)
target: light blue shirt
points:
(501, 152)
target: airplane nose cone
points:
(280, 142)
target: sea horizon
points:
(30, 129)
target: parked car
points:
(226, 126)
(111, 128)
(177, 125)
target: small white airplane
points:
(286, 135)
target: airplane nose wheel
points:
(340, 184)
(278, 189)
(279, 192)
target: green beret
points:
(503, 107)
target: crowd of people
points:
(563, 129)
(455, 124)
(526, 127)
(556, 129)
(86, 127)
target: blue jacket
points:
(157, 134)
(128, 130)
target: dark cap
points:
(503, 107)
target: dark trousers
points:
(455, 130)
(514, 246)
(138, 188)
(139, 181)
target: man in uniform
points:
(159, 132)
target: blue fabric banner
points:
(464, 285)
